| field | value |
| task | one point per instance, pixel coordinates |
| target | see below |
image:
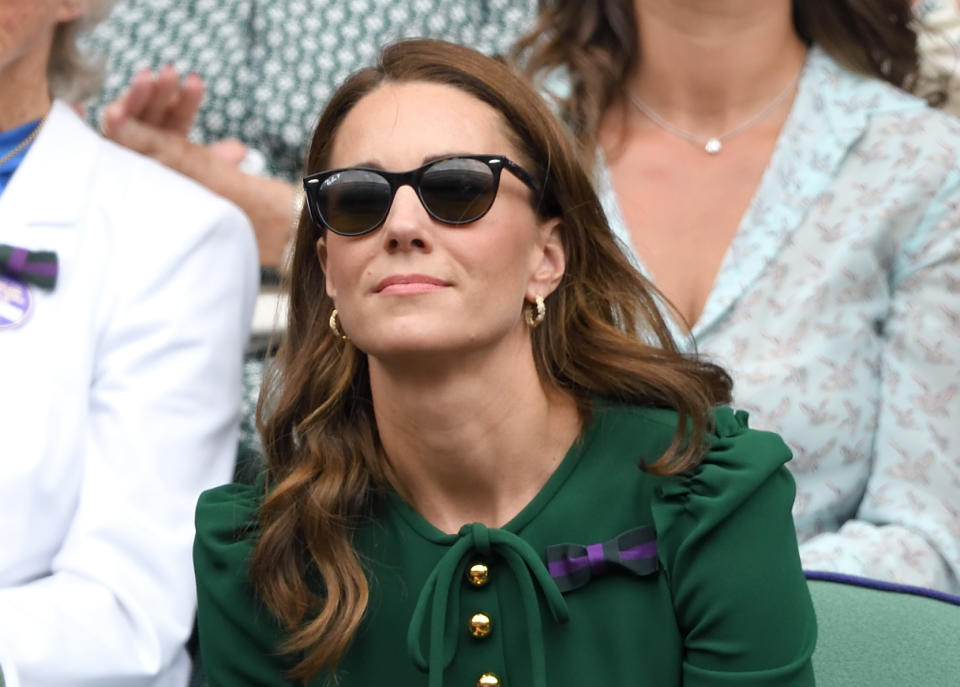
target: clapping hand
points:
(156, 111)
(154, 117)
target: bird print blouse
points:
(837, 310)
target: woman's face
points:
(415, 286)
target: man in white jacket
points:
(125, 296)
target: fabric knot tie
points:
(31, 267)
(440, 596)
(481, 537)
(573, 565)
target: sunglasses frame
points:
(412, 178)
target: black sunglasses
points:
(453, 190)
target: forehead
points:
(399, 125)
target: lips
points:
(410, 283)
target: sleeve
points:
(907, 526)
(239, 639)
(729, 550)
(160, 426)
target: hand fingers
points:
(159, 101)
(229, 149)
(139, 94)
(180, 114)
(143, 138)
(114, 115)
(130, 132)
(165, 93)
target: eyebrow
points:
(373, 164)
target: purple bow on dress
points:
(572, 565)
(32, 267)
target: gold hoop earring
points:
(535, 313)
(335, 326)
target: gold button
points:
(478, 574)
(488, 680)
(480, 625)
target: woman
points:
(454, 430)
(120, 351)
(763, 164)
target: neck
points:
(709, 65)
(472, 441)
(24, 90)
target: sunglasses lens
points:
(458, 190)
(353, 201)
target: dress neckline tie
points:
(439, 595)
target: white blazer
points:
(119, 404)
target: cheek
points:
(11, 27)
(345, 262)
(502, 262)
(25, 18)
(516, 248)
(335, 278)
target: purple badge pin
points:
(16, 302)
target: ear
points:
(322, 257)
(550, 261)
(71, 9)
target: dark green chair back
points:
(874, 634)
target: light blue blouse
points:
(837, 310)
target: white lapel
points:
(43, 206)
(51, 185)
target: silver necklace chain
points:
(711, 144)
(24, 143)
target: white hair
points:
(71, 75)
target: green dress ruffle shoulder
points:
(608, 576)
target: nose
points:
(407, 225)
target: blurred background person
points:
(125, 299)
(767, 165)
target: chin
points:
(430, 338)
(407, 342)
(412, 350)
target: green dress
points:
(692, 579)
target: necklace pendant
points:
(713, 146)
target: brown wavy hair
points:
(603, 336)
(597, 42)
